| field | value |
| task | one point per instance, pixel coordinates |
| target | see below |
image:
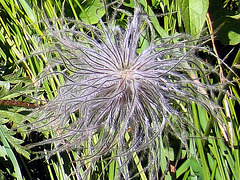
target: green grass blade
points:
(10, 154)
(28, 10)
(199, 143)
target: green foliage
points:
(226, 22)
(194, 15)
(213, 147)
(92, 11)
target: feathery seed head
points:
(122, 82)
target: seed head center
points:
(127, 74)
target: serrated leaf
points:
(193, 14)
(15, 75)
(16, 91)
(3, 152)
(4, 88)
(14, 78)
(15, 143)
(14, 117)
(3, 120)
(5, 84)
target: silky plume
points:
(127, 87)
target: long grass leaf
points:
(10, 154)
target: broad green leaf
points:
(226, 24)
(93, 12)
(229, 33)
(193, 14)
(197, 168)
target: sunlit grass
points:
(212, 150)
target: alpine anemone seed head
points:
(124, 88)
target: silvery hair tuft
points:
(126, 87)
